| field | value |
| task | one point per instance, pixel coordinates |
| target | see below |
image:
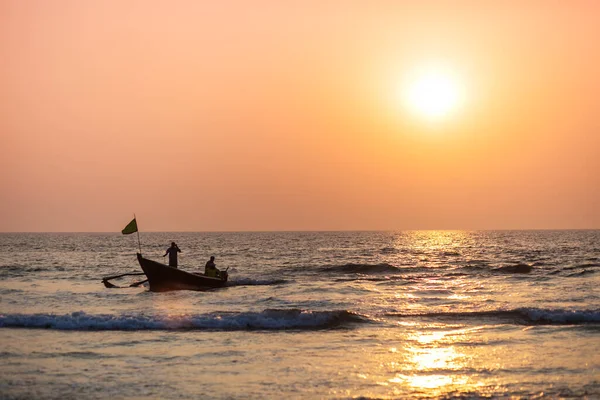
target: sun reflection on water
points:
(429, 381)
(434, 356)
(434, 240)
(431, 363)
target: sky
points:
(292, 115)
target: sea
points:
(305, 315)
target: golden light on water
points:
(444, 336)
(431, 365)
(434, 240)
(427, 381)
(433, 359)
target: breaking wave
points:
(270, 319)
(519, 316)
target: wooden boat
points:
(163, 278)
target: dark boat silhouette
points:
(162, 278)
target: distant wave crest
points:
(255, 282)
(353, 268)
(519, 316)
(271, 319)
(514, 269)
(17, 271)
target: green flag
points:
(130, 228)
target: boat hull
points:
(163, 278)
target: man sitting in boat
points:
(210, 269)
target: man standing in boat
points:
(172, 252)
(210, 269)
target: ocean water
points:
(324, 315)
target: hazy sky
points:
(288, 115)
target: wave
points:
(256, 282)
(392, 278)
(270, 319)
(514, 269)
(18, 271)
(353, 268)
(14, 271)
(581, 273)
(384, 268)
(579, 266)
(519, 316)
(589, 265)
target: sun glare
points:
(433, 93)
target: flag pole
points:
(138, 234)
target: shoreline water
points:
(307, 315)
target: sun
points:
(433, 93)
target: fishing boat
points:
(162, 278)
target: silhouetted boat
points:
(163, 278)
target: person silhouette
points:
(172, 252)
(210, 269)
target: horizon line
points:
(320, 231)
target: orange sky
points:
(285, 115)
